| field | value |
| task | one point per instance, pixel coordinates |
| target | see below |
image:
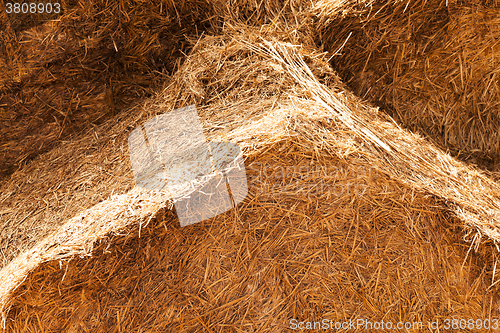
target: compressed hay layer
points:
(96, 166)
(319, 237)
(250, 92)
(405, 156)
(433, 65)
(64, 76)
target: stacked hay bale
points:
(65, 75)
(326, 249)
(432, 65)
(348, 216)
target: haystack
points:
(305, 246)
(348, 215)
(432, 65)
(63, 74)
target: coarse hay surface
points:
(432, 65)
(318, 237)
(94, 166)
(64, 73)
(62, 76)
(257, 88)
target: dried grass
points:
(295, 248)
(391, 254)
(63, 74)
(62, 62)
(94, 170)
(432, 65)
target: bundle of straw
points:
(274, 95)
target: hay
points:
(432, 65)
(61, 77)
(90, 170)
(63, 74)
(389, 253)
(257, 89)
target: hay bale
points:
(432, 65)
(66, 73)
(308, 244)
(61, 77)
(257, 89)
(90, 169)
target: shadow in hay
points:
(429, 64)
(62, 77)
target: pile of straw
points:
(327, 240)
(63, 74)
(390, 253)
(348, 216)
(432, 65)
(66, 75)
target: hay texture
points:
(432, 65)
(318, 237)
(276, 97)
(62, 76)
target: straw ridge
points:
(63, 74)
(406, 156)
